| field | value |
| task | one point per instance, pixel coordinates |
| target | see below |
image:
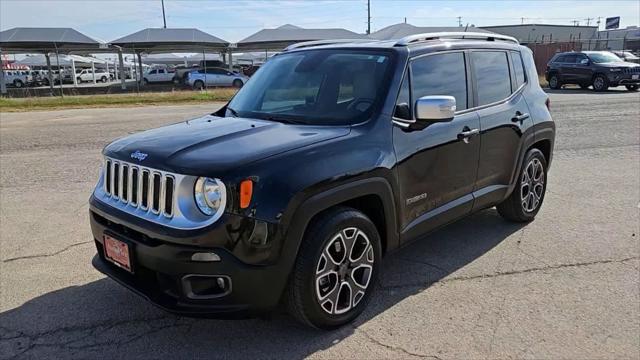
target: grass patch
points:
(542, 81)
(113, 100)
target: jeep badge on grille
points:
(138, 155)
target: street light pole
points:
(164, 18)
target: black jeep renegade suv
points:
(600, 69)
(331, 156)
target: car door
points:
(499, 83)
(568, 70)
(582, 69)
(151, 75)
(436, 166)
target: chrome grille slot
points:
(125, 183)
(116, 180)
(107, 177)
(139, 187)
(168, 196)
(145, 189)
(134, 186)
(156, 188)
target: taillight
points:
(548, 103)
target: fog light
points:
(205, 257)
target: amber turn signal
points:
(246, 191)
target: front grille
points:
(153, 191)
(632, 70)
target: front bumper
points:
(162, 270)
(617, 79)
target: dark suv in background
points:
(333, 155)
(600, 69)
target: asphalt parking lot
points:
(564, 286)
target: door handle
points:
(467, 133)
(520, 117)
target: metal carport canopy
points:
(42, 40)
(283, 36)
(154, 40)
(45, 40)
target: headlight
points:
(615, 69)
(210, 195)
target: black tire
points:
(198, 85)
(303, 295)
(18, 83)
(632, 87)
(514, 208)
(103, 79)
(237, 83)
(600, 83)
(554, 82)
(79, 80)
(145, 82)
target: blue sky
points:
(235, 20)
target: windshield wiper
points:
(283, 120)
(232, 111)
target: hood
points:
(618, 64)
(212, 145)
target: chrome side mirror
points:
(435, 108)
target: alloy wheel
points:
(598, 83)
(532, 185)
(553, 82)
(344, 271)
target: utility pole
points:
(164, 18)
(576, 22)
(368, 17)
(522, 20)
(598, 22)
(588, 20)
(459, 21)
(405, 19)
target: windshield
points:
(316, 87)
(603, 57)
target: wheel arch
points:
(372, 196)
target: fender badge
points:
(138, 155)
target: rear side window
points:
(518, 69)
(442, 74)
(559, 59)
(571, 59)
(491, 71)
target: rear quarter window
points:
(491, 71)
(518, 69)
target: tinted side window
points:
(491, 71)
(559, 59)
(580, 57)
(519, 74)
(152, 72)
(571, 59)
(442, 74)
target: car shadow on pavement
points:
(102, 319)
